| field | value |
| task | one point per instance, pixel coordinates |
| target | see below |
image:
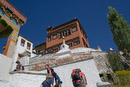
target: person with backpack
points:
(78, 78)
(51, 72)
(48, 82)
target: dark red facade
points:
(73, 32)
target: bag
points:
(22, 67)
(76, 75)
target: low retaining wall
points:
(26, 79)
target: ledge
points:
(66, 63)
(28, 72)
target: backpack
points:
(76, 74)
(76, 77)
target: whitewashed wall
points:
(88, 67)
(20, 49)
(24, 60)
(5, 63)
(3, 83)
(64, 71)
(26, 80)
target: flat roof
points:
(63, 24)
(39, 45)
(25, 38)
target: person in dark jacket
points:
(51, 72)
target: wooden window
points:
(48, 31)
(49, 38)
(65, 33)
(60, 35)
(22, 42)
(68, 32)
(54, 36)
(74, 29)
(76, 41)
(28, 46)
(49, 50)
(55, 49)
(69, 43)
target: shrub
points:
(123, 77)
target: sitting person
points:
(48, 82)
(19, 66)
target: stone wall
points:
(101, 61)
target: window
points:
(49, 50)
(76, 42)
(55, 49)
(60, 35)
(54, 36)
(22, 42)
(64, 33)
(48, 31)
(68, 32)
(69, 43)
(28, 46)
(49, 38)
(74, 29)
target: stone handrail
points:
(57, 62)
(28, 72)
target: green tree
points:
(120, 30)
(115, 62)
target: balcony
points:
(5, 29)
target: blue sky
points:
(92, 15)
